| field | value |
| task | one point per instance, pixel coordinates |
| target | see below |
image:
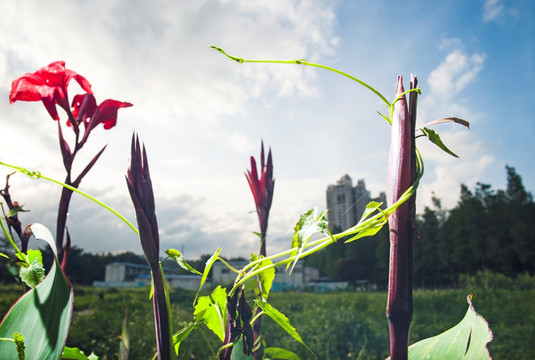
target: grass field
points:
(349, 325)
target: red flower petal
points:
(48, 84)
(106, 113)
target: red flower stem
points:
(63, 210)
(161, 315)
(258, 322)
(402, 173)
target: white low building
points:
(284, 280)
(122, 274)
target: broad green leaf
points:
(275, 353)
(206, 271)
(282, 320)
(179, 258)
(212, 310)
(237, 352)
(435, 139)
(33, 274)
(182, 335)
(76, 354)
(466, 340)
(124, 342)
(266, 277)
(310, 223)
(43, 314)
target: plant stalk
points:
(402, 173)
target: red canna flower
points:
(262, 188)
(49, 85)
(83, 107)
(106, 113)
(85, 111)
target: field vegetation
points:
(346, 325)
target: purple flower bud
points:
(262, 189)
(401, 172)
(140, 188)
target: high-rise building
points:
(346, 203)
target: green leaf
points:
(43, 314)
(182, 335)
(179, 258)
(4, 255)
(14, 211)
(435, 139)
(466, 340)
(206, 271)
(388, 120)
(124, 343)
(369, 230)
(282, 320)
(76, 354)
(280, 354)
(33, 274)
(265, 277)
(237, 352)
(370, 209)
(310, 223)
(212, 310)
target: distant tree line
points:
(487, 230)
(84, 268)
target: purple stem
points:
(401, 175)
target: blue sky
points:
(201, 116)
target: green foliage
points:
(435, 139)
(33, 274)
(182, 335)
(376, 226)
(278, 353)
(309, 223)
(97, 322)
(179, 258)
(237, 352)
(43, 314)
(76, 354)
(207, 268)
(124, 343)
(282, 321)
(212, 309)
(466, 340)
(265, 277)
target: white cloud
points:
(453, 74)
(492, 9)
(197, 112)
(444, 173)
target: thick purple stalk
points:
(140, 188)
(401, 175)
